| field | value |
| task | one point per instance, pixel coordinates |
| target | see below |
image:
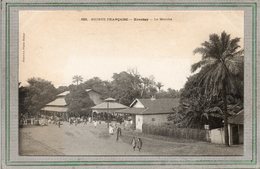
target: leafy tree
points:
(23, 108)
(61, 89)
(124, 87)
(99, 85)
(148, 87)
(221, 66)
(77, 79)
(170, 93)
(195, 109)
(78, 102)
(35, 96)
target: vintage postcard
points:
(165, 84)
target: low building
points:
(235, 131)
(150, 111)
(236, 128)
(59, 107)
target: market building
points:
(107, 108)
(59, 107)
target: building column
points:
(230, 133)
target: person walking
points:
(139, 144)
(118, 133)
(133, 143)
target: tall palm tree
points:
(221, 67)
(159, 85)
(77, 79)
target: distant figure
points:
(118, 133)
(139, 144)
(95, 123)
(85, 121)
(59, 123)
(110, 129)
(133, 143)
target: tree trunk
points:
(224, 95)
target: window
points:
(153, 119)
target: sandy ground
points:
(88, 140)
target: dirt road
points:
(88, 140)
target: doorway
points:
(235, 134)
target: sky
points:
(56, 45)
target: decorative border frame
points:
(8, 5)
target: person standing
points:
(85, 121)
(133, 143)
(118, 133)
(59, 123)
(139, 144)
(95, 123)
(70, 120)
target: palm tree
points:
(159, 85)
(221, 67)
(77, 79)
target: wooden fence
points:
(170, 131)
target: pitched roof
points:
(112, 105)
(132, 110)
(110, 99)
(55, 109)
(63, 93)
(89, 90)
(60, 101)
(157, 106)
(67, 92)
(237, 119)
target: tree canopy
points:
(34, 96)
(79, 102)
(217, 89)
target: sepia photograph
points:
(131, 82)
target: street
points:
(88, 140)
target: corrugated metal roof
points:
(131, 110)
(112, 105)
(64, 93)
(60, 101)
(55, 109)
(157, 106)
(237, 119)
(110, 99)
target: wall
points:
(217, 136)
(138, 105)
(155, 119)
(139, 122)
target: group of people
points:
(115, 128)
(137, 143)
(77, 120)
